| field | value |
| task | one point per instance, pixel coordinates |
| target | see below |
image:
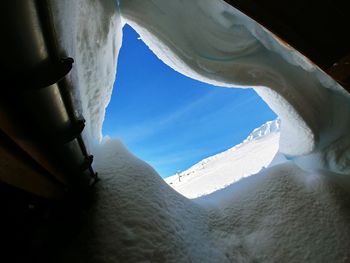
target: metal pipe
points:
(38, 106)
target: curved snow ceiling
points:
(210, 41)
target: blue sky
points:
(172, 121)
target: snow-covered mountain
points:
(263, 130)
(217, 171)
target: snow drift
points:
(283, 214)
(292, 212)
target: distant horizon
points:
(170, 120)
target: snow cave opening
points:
(235, 52)
(180, 126)
(291, 212)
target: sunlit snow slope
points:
(220, 170)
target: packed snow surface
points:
(296, 211)
(223, 169)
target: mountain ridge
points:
(217, 171)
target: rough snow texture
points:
(283, 214)
(219, 171)
(137, 217)
(90, 32)
(217, 44)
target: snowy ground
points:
(282, 214)
(223, 169)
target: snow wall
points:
(286, 213)
(90, 32)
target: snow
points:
(91, 33)
(264, 130)
(282, 214)
(217, 44)
(219, 171)
(294, 211)
(145, 221)
(221, 46)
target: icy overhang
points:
(212, 42)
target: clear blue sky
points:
(172, 121)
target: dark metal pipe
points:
(38, 101)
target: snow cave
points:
(295, 211)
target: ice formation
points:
(292, 212)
